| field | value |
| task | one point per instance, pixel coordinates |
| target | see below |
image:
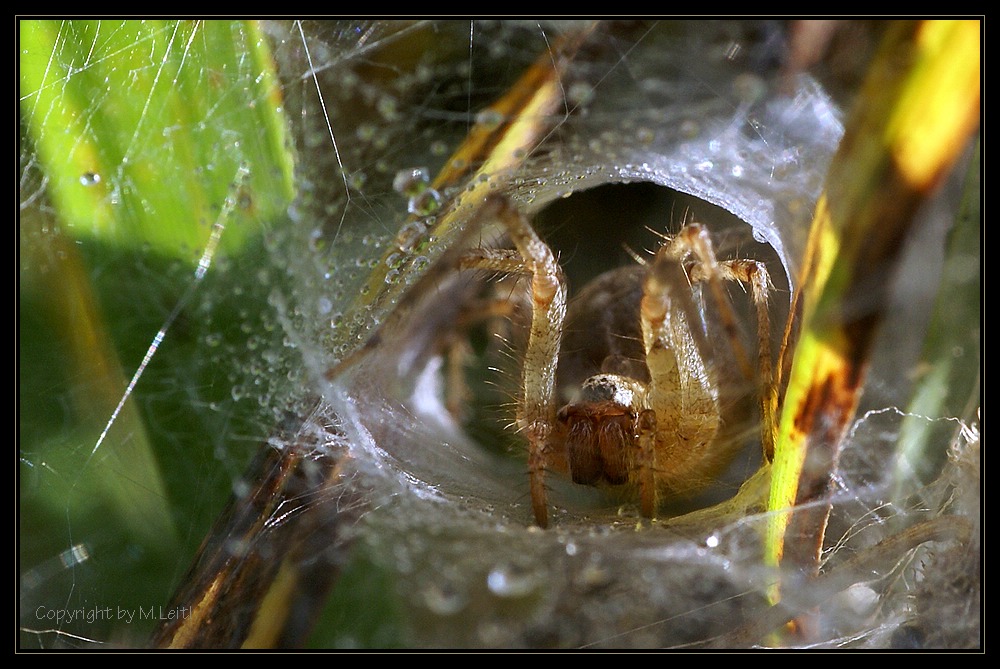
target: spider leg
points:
(536, 408)
(682, 393)
(754, 274)
(694, 240)
(646, 463)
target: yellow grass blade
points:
(916, 113)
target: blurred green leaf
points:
(134, 139)
(951, 355)
(141, 126)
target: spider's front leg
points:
(693, 241)
(536, 408)
(682, 394)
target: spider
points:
(640, 376)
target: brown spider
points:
(651, 415)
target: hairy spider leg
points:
(684, 405)
(682, 399)
(754, 274)
(537, 409)
(694, 240)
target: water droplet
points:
(324, 305)
(409, 236)
(489, 118)
(712, 541)
(593, 575)
(749, 87)
(580, 93)
(412, 181)
(498, 49)
(511, 581)
(426, 203)
(388, 108)
(394, 260)
(737, 171)
(689, 129)
(241, 488)
(858, 600)
(392, 276)
(90, 178)
(74, 555)
(237, 547)
(444, 599)
(357, 180)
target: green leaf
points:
(154, 159)
(141, 126)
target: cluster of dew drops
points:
(422, 202)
